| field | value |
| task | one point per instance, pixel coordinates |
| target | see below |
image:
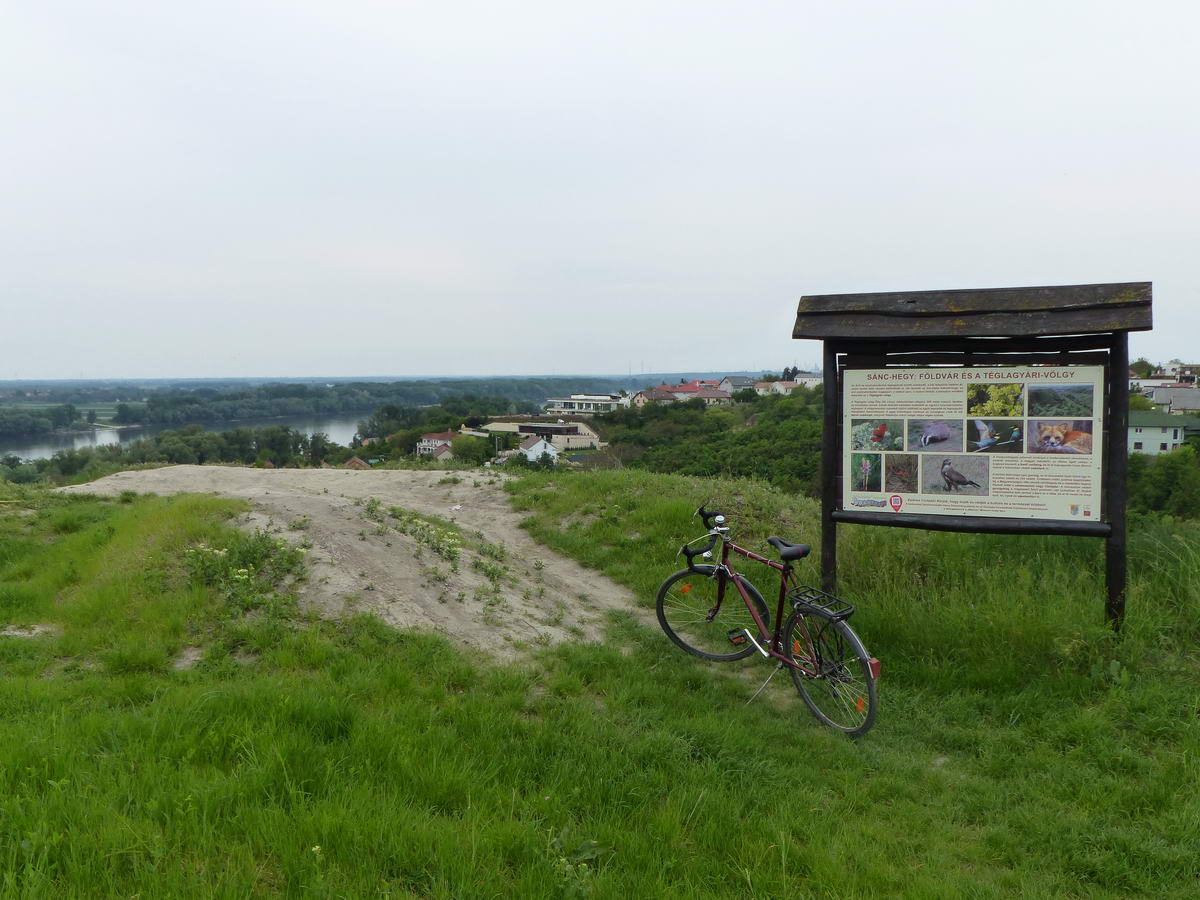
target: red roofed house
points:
(685, 391)
(534, 446)
(705, 390)
(430, 442)
(652, 395)
(442, 453)
(713, 397)
(355, 463)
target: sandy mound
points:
(502, 592)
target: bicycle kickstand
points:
(774, 672)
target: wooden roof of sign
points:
(987, 312)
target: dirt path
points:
(504, 592)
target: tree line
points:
(775, 438)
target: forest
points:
(33, 408)
(775, 438)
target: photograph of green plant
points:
(1061, 400)
(1006, 398)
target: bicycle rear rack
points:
(810, 597)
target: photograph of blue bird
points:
(989, 440)
(987, 437)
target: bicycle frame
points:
(726, 574)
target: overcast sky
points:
(354, 188)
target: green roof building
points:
(1155, 432)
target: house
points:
(534, 447)
(652, 395)
(430, 442)
(1146, 385)
(686, 390)
(713, 397)
(561, 435)
(1155, 432)
(583, 404)
(1177, 400)
(808, 379)
(731, 384)
(442, 453)
(355, 463)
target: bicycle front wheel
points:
(835, 679)
(688, 613)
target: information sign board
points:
(1003, 441)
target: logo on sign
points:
(897, 501)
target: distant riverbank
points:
(339, 429)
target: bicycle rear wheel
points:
(687, 612)
(836, 682)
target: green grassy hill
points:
(1021, 748)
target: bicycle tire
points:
(844, 695)
(686, 599)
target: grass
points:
(1021, 749)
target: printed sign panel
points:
(1012, 441)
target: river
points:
(339, 429)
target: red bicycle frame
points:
(726, 573)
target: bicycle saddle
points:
(788, 552)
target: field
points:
(1060, 400)
(184, 727)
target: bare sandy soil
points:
(360, 561)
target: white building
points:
(534, 447)
(1146, 385)
(1158, 432)
(584, 404)
(731, 384)
(429, 443)
(562, 435)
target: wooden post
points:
(1117, 459)
(1060, 325)
(830, 452)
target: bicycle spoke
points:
(691, 616)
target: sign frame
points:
(1067, 325)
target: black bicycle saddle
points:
(788, 552)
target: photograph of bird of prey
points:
(876, 434)
(996, 436)
(964, 474)
(935, 435)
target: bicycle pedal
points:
(737, 637)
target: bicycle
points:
(829, 665)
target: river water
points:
(339, 429)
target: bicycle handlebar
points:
(699, 551)
(710, 517)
